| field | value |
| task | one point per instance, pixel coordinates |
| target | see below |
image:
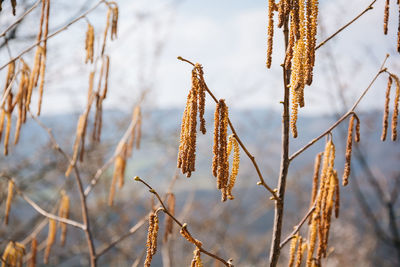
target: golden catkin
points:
(396, 107)
(216, 140)
(119, 171)
(312, 41)
(398, 30)
(328, 212)
(89, 44)
(292, 253)
(20, 99)
(312, 236)
(2, 117)
(10, 195)
(271, 6)
(168, 219)
(386, 17)
(337, 195)
(349, 148)
(136, 133)
(196, 262)
(63, 212)
(106, 31)
(317, 166)
(357, 135)
(10, 75)
(232, 142)
(291, 41)
(386, 109)
(51, 238)
(151, 238)
(13, 255)
(80, 129)
(32, 260)
(300, 251)
(201, 96)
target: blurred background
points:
(228, 37)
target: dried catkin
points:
(386, 110)
(10, 75)
(151, 238)
(271, 6)
(114, 20)
(386, 17)
(63, 212)
(395, 108)
(337, 195)
(89, 44)
(13, 255)
(10, 195)
(119, 170)
(188, 237)
(398, 30)
(168, 219)
(51, 238)
(357, 136)
(80, 129)
(232, 142)
(349, 148)
(32, 260)
(292, 250)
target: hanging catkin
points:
(89, 44)
(63, 212)
(51, 238)
(317, 165)
(151, 238)
(119, 170)
(232, 142)
(10, 195)
(168, 219)
(32, 260)
(136, 133)
(396, 107)
(386, 110)
(8, 113)
(188, 237)
(386, 17)
(349, 148)
(271, 8)
(196, 262)
(292, 253)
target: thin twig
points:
(166, 211)
(348, 113)
(249, 155)
(345, 26)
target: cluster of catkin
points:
(298, 246)
(151, 238)
(195, 104)
(301, 18)
(13, 255)
(123, 151)
(112, 15)
(326, 200)
(395, 114)
(386, 20)
(221, 150)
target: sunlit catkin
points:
(292, 250)
(337, 195)
(63, 212)
(13, 255)
(32, 260)
(188, 237)
(386, 110)
(10, 195)
(201, 91)
(349, 148)
(119, 171)
(395, 108)
(89, 43)
(300, 251)
(168, 219)
(317, 165)
(151, 238)
(271, 7)
(232, 142)
(196, 262)
(51, 238)
(312, 239)
(386, 17)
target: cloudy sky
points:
(228, 37)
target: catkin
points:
(317, 165)
(119, 171)
(151, 243)
(135, 137)
(386, 110)
(89, 44)
(13, 255)
(201, 96)
(232, 142)
(188, 237)
(10, 195)
(114, 21)
(168, 219)
(196, 262)
(337, 195)
(313, 236)
(398, 30)
(349, 147)
(271, 6)
(386, 17)
(300, 251)
(51, 238)
(292, 250)
(63, 212)
(32, 260)
(395, 108)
